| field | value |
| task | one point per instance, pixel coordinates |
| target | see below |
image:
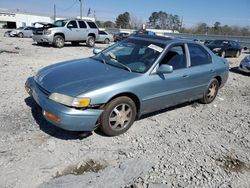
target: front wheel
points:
(118, 116)
(90, 42)
(58, 41)
(20, 35)
(211, 92)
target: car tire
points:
(58, 41)
(20, 35)
(106, 41)
(118, 116)
(211, 92)
(237, 53)
(223, 53)
(75, 43)
(90, 42)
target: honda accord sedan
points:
(139, 75)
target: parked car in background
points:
(121, 36)
(69, 30)
(22, 32)
(105, 37)
(136, 76)
(245, 64)
(225, 48)
(7, 33)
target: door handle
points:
(185, 76)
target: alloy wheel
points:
(120, 116)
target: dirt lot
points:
(190, 145)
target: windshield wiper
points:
(102, 57)
(112, 56)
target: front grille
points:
(38, 32)
(44, 91)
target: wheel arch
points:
(61, 34)
(92, 35)
(219, 79)
(130, 95)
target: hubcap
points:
(120, 117)
(59, 42)
(212, 91)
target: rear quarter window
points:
(198, 55)
(92, 25)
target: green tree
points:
(123, 20)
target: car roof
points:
(161, 39)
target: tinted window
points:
(92, 25)
(73, 23)
(82, 24)
(60, 23)
(102, 33)
(175, 57)
(198, 55)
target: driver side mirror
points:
(163, 69)
(96, 51)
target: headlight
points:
(47, 32)
(216, 49)
(70, 101)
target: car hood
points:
(80, 76)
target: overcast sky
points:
(231, 12)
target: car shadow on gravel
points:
(50, 129)
(65, 45)
(237, 71)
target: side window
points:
(82, 24)
(92, 25)
(198, 55)
(102, 33)
(72, 24)
(175, 57)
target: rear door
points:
(83, 30)
(201, 71)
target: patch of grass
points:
(89, 166)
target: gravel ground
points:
(190, 145)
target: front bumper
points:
(43, 38)
(70, 118)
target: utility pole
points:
(80, 9)
(54, 12)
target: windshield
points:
(60, 23)
(219, 42)
(132, 54)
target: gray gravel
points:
(190, 145)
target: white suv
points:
(74, 31)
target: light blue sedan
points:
(139, 75)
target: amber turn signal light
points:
(52, 116)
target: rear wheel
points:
(118, 116)
(106, 41)
(90, 42)
(211, 92)
(20, 35)
(58, 41)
